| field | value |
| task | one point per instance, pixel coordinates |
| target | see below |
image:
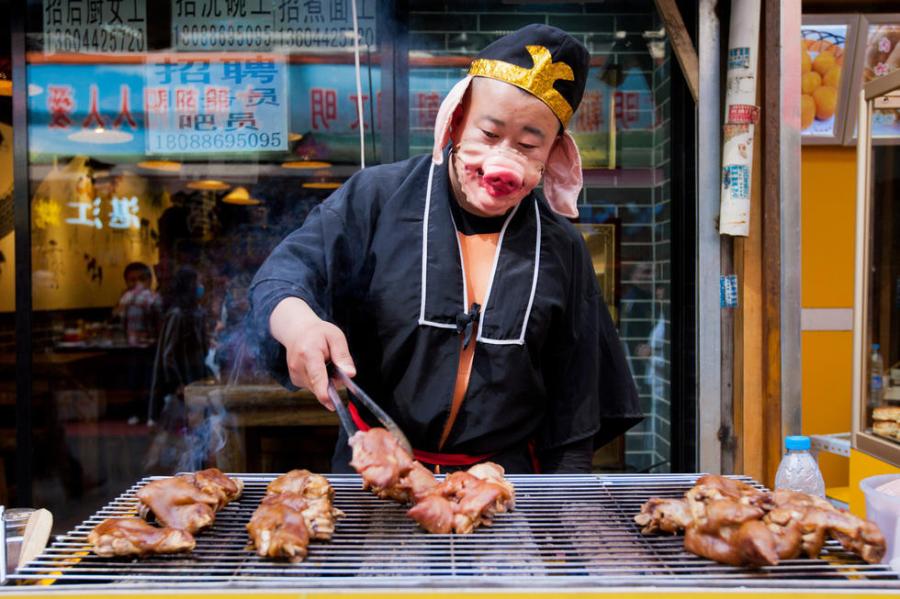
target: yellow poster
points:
(822, 61)
(85, 230)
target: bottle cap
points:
(796, 442)
(875, 347)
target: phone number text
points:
(220, 142)
(82, 39)
(265, 36)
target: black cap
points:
(544, 61)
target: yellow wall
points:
(828, 187)
(63, 253)
(827, 381)
(828, 215)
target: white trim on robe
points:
(520, 340)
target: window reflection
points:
(166, 159)
(173, 144)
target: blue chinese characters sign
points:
(202, 103)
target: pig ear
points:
(445, 118)
(562, 176)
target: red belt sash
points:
(438, 459)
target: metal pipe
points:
(789, 194)
(861, 259)
(3, 563)
(709, 373)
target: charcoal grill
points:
(567, 532)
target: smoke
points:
(189, 439)
(207, 433)
(206, 437)
(195, 427)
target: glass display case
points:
(876, 341)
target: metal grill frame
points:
(567, 532)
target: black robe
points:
(380, 259)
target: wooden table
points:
(243, 410)
(51, 359)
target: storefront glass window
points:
(173, 144)
(882, 346)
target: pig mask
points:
(506, 172)
(499, 172)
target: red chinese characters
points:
(61, 103)
(124, 115)
(186, 100)
(216, 99)
(355, 100)
(589, 117)
(627, 109)
(156, 100)
(427, 105)
(323, 107)
(93, 118)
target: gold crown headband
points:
(538, 80)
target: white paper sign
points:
(95, 26)
(269, 24)
(222, 24)
(741, 115)
(209, 103)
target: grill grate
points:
(567, 531)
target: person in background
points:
(232, 359)
(183, 345)
(173, 234)
(139, 309)
(139, 306)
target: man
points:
(468, 304)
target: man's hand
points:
(310, 343)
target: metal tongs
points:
(335, 373)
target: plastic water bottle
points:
(876, 377)
(799, 470)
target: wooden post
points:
(771, 238)
(748, 335)
(682, 46)
(754, 362)
(748, 353)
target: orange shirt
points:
(478, 258)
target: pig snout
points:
(502, 179)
